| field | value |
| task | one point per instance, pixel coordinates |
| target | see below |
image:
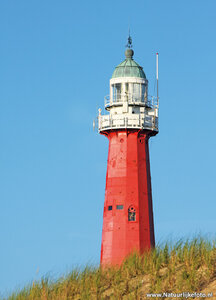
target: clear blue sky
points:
(56, 61)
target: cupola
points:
(129, 68)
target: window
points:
(136, 92)
(139, 92)
(143, 92)
(131, 214)
(116, 90)
(110, 207)
(119, 206)
(126, 87)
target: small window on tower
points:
(119, 206)
(131, 214)
(110, 207)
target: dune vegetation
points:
(169, 270)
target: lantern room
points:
(128, 82)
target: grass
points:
(185, 266)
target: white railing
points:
(131, 99)
(107, 122)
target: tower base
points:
(128, 216)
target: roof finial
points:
(129, 44)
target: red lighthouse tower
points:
(130, 121)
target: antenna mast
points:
(157, 76)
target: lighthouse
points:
(130, 119)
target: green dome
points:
(128, 68)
